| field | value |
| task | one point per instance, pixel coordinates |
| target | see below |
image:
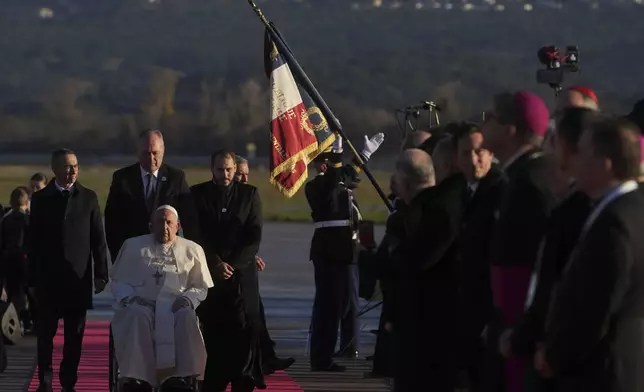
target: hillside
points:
(97, 72)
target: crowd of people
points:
(55, 255)
(511, 260)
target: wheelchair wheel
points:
(113, 367)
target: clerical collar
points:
(145, 172)
(61, 189)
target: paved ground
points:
(287, 291)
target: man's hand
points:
(540, 363)
(99, 285)
(224, 271)
(372, 144)
(179, 303)
(260, 263)
(505, 346)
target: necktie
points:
(149, 195)
(65, 192)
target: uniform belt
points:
(332, 223)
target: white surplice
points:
(148, 336)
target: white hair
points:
(169, 208)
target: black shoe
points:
(45, 387)
(68, 389)
(277, 364)
(177, 384)
(130, 385)
(351, 354)
(334, 367)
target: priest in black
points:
(595, 320)
(333, 250)
(270, 362)
(484, 187)
(230, 217)
(67, 256)
(137, 190)
(513, 131)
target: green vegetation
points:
(92, 77)
(276, 207)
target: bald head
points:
(414, 172)
(151, 150)
(415, 139)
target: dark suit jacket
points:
(473, 253)
(564, 226)
(64, 237)
(603, 283)
(13, 242)
(126, 214)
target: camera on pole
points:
(557, 65)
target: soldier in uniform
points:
(333, 254)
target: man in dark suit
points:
(564, 226)
(231, 226)
(427, 289)
(513, 131)
(66, 234)
(595, 318)
(137, 190)
(485, 185)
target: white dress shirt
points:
(60, 188)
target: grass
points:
(276, 207)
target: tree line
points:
(92, 77)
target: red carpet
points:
(93, 369)
(279, 382)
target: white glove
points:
(337, 144)
(371, 145)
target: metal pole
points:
(301, 77)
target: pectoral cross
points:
(157, 277)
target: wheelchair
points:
(114, 386)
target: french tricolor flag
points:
(296, 126)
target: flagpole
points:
(306, 83)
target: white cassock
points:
(148, 329)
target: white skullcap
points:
(169, 208)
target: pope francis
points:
(158, 280)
